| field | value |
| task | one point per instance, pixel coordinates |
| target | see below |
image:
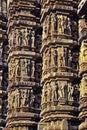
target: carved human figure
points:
(12, 38)
(33, 39)
(66, 90)
(32, 99)
(49, 93)
(60, 24)
(70, 91)
(44, 29)
(24, 37)
(69, 59)
(54, 57)
(27, 98)
(62, 57)
(23, 67)
(13, 68)
(83, 51)
(23, 98)
(17, 98)
(62, 90)
(69, 26)
(19, 37)
(54, 91)
(33, 68)
(29, 38)
(28, 67)
(65, 24)
(55, 22)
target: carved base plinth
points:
(22, 119)
(54, 125)
(63, 124)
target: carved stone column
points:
(83, 64)
(23, 87)
(60, 94)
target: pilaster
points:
(24, 80)
(60, 94)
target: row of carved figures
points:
(57, 57)
(22, 37)
(55, 23)
(56, 90)
(23, 98)
(21, 67)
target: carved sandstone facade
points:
(43, 61)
